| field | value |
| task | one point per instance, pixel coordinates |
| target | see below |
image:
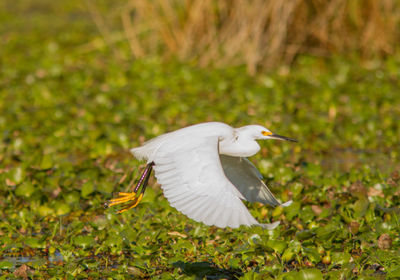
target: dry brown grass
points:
(260, 33)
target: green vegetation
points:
(72, 106)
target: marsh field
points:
(77, 90)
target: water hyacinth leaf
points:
(360, 207)
(340, 257)
(100, 222)
(277, 245)
(89, 264)
(87, 188)
(114, 240)
(234, 263)
(395, 273)
(310, 274)
(84, 241)
(292, 251)
(105, 187)
(62, 208)
(35, 242)
(17, 175)
(251, 275)
(26, 189)
(47, 162)
(44, 210)
(307, 214)
(304, 235)
(292, 275)
(277, 211)
(6, 265)
(312, 254)
(72, 197)
(326, 232)
(254, 239)
(296, 189)
(325, 213)
(293, 210)
(313, 170)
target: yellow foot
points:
(125, 197)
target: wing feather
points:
(248, 180)
(194, 182)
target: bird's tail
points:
(148, 150)
(141, 153)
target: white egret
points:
(205, 174)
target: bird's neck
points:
(237, 148)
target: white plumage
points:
(204, 172)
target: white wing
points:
(248, 180)
(193, 181)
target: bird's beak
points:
(280, 137)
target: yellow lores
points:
(266, 133)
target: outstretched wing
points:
(193, 181)
(248, 180)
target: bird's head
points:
(259, 132)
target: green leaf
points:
(6, 265)
(84, 241)
(47, 162)
(87, 188)
(25, 189)
(292, 275)
(304, 234)
(277, 245)
(326, 232)
(292, 250)
(360, 207)
(44, 210)
(394, 273)
(62, 208)
(340, 257)
(292, 210)
(312, 254)
(114, 240)
(105, 187)
(310, 274)
(17, 175)
(35, 242)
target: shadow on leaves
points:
(207, 270)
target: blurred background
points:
(81, 82)
(259, 34)
(318, 70)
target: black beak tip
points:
(280, 137)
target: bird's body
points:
(229, 142)
(204, 172)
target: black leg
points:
(144, 178)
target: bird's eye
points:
(266, 133)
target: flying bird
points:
(204, 173)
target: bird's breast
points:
(238, 149)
